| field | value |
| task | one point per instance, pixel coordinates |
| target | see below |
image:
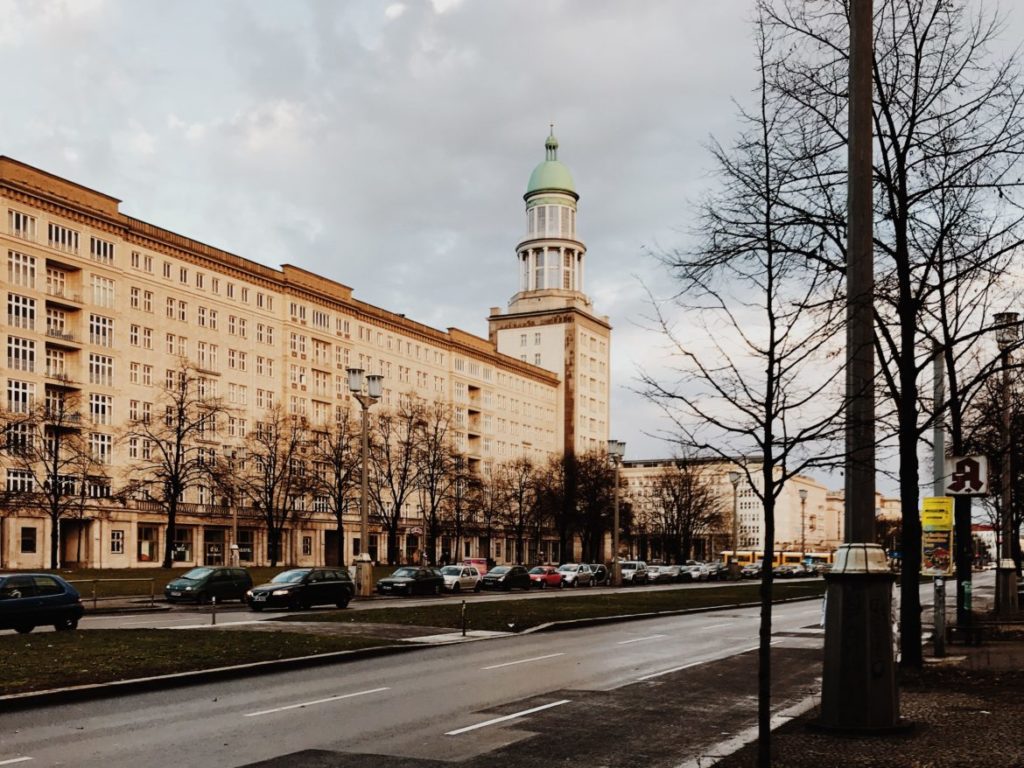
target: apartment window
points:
(321, 319)
(101, 330)
(63, 238)
(101, 409)
(28, 540)
(230, 290)
(100, 447)
(231, 324)
(182, 346)
(20, 395)
(183, 275)
(101, 250)
(307, 546)
(21, 354)
(117, 542)
(231, 358)
(136, 260)
(245, 295)
(259, 330)
(101, 369)
(215, 284)
(169, 341)
(147, 338)
(242, 327)
(167, 270)
(21, 269)
(183, 311)
(213, 319)
(200, 280)
(135, 297)
(147, 375)
(21, 225)
(133, 335)
(21, 312)
(133, 373)
(102, 291)
(147, 301)
(201, 317)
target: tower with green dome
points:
(550, 321)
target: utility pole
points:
(859, 691)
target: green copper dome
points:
(551, 174)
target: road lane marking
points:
(523, 661)
(716, 626)
(316, 701)
(497, 720)
(14, 760)
(640, 639)
(717, 657)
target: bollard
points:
(939, 606)
(94, 594)
(213, 609)
(463, 618)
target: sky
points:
(387, 146)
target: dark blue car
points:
(30, 600)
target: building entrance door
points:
(213, 542)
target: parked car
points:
(507, 577)
(602, 576)
(634, 572)
(670, 573)
(303, 588)
(458, 578)
(544, 576)
(30, 600)
(200, 585)
(751, 570)
(789, 571)
(658, 574)
(576, 574)
(697, 571)
(412, 580)
(717, 570)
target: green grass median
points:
(518, 615)
(47, 660)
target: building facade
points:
(103, 307)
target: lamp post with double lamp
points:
(803, 509)
(734, 564)
(616, 450)
(1007, 337)
(367, 391)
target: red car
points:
(544, 576)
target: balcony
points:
(58, 418)
(61, 378)
(59, 338)
(63, 297)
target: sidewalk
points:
(966, 710)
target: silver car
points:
(461, 578)
(633, 572)
(576, 574)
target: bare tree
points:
(436, 460)
(464, 495)
(687, 504)
(948, 143)
(755, 372)
(276, 474)
(394, 449)
(515, 481)
(177, 445)
(57, 467)
(553, 501)
(595, 491)
(336, 457)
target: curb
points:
(15, 701)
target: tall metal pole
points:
(1006, 573)
(734, 563)
(803, 510)
(859, 690)
(939, 489)
(364, 500)
(616, 566)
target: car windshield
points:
(451, 570)
(499, 570)
(290, 577)
(404, 573)
(196, 573)
(539, 569)
(568, 567)
(629, 566)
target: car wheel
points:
(543, 585)
(342, 602)
(24, 629)
(456, 588)
(66, 625)
(202, 598)
(257, 608)
(437, 589)
(561, 585)
(476, 587)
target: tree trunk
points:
(910, 544)
(341, 541)
(54, 541)
(172, 519)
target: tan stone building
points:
(102, 306)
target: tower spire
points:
(551, 145)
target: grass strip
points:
(518, 615)
(43, 661)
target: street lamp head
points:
(355, 380)
(734, 478)
(803, 494)
(616, 450)
(1007, 329)
(375, 385)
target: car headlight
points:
(280, 592)
(248, 593)
(188, 589)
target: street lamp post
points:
(1007, 337)
(367, 391)
(616, 450)
(803, 508)
(734, 565)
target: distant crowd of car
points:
(31, 600)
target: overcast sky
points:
(387, 145)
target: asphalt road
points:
(657, 692)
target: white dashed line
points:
(507, 717)
(523, 661)
(640, 639)
(14, 760)
(317, 701)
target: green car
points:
(201, 585)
